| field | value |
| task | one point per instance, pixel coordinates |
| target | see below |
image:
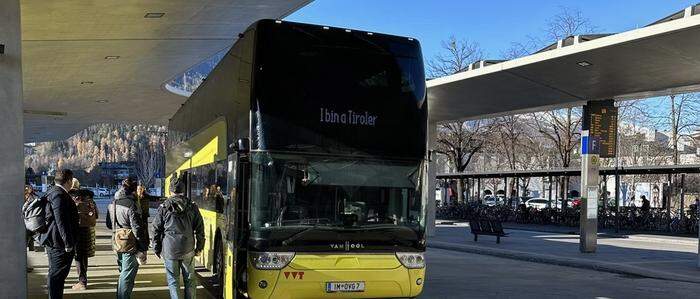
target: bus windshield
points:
(292, 191)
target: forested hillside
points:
(144, 144)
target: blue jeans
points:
(189, 278)
(128, 267)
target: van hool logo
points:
(347, 246)
(353, 118)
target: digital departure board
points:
(600, 119)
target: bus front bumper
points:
(308, 276)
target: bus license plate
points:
(346, 286)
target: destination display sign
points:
(326, 92)
(600, 119)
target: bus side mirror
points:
(243, 145)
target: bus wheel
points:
(219, 266)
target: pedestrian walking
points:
(645, 204)
(60, 238)
(143, 199)
(128, 235)
(29, 196)
(178, 236)
(87, 219)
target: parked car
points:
(537, 203)
(571, 202)
(101, 192)
(490, 201)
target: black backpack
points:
(34, 212)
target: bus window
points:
(220, 186)
(230, 203)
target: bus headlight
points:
(411, 260)
(271, 260)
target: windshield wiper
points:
(303, 232)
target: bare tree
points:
(567, 22)
(637, 142)
(683, 120)
(459, 142)
(150, 157)
(457, 56)
(563, 128)
(508, 131)
(146, 166)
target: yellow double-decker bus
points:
(305, 150)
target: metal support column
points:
(617, 200)
(543, 187)
(506, 196)
(605, 193)
(682, 209)
(556, 192)
(12, 234)
(468, 193)
(478, 189)
(431, 178)
(668, 200)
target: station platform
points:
(650, 256)
(103, 274)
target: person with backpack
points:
(60, 237)
(29, 197)
(178, 236)
(87, 219)
(128, 235)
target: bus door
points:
(237, 224)
(228, 284)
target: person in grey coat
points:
(128, 215)
(178, 236)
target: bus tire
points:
(219, 265)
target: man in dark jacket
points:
(123, 212)
(61, 237)
(178, 236)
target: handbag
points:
(123, 239)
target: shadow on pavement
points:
(667, 258)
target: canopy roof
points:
(660, 59)
(86, 62)
(107, 61)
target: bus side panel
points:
(210, 224)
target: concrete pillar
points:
(430, 208)
(13, 276)
(590, 178)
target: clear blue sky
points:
(492, 24)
